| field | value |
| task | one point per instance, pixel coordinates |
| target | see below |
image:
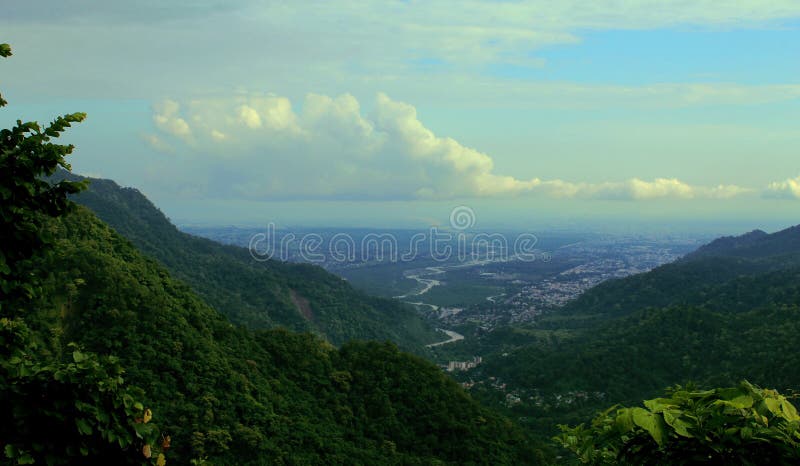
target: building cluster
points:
(532, 397)
(453, 366)
(594, 263)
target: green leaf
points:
(143, 430)
(735, 397)
(789, 411)
(773, 405)
(83, 426)
(672, 418)
(77, 356)
(740, 402)
(624, 421)
(659, 404)
(650, 422)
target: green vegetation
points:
(80, 303)
(236, 396)
(726, 274)
(712, 320)
(381, 279)
(255, 294)
(456, 293)
(96, 339)
(740, 425)
(79, 395)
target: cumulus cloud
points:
(786, 189)
(157, 143)
(167, 119)
(638, 190)
(330, 149)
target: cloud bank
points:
(786, 189)
(262, 148)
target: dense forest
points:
(125, 341)
(708, 319)
(256, 294)
(127, 365)
(229, 395)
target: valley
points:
(481, 233)
(481, 288)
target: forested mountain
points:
(107, 359)
(256, 294)
(706, 277)
(754, 245)
(708, 319)
(236, 396)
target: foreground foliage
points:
(79, 395)
(82, 397)
(740, 425)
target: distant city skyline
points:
(656, 115)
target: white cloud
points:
(249, 117)
(166, 119)
(218, 136)
(659, 188)
(330, 149)
(157, 143)
(786, 189)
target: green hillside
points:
(721, 274)
(754, 245)
(256, 294)
(125, 341)
(711, 320)
(236, 396)
(106, 359)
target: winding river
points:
(427, 284)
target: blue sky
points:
(665, 113)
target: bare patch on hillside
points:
(302, 305)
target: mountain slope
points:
(700, 278)
(711, 319)
(252, 293)
(235, 396)
(632, 358)
(754, 245)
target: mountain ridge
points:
(229, 395)
(257, 294)
(755, 244)
(706, 319)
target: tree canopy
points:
(78, 394)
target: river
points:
(427, 284)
